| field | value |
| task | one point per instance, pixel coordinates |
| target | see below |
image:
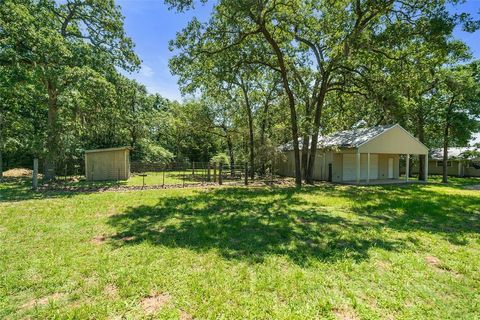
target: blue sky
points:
(151, 25)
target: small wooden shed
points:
(107, 164)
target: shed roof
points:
(351, 138)
(467, 153)
(344, 139)
(108, 149)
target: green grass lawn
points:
(334, 252)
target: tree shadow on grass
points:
(417, 207)
(20, 189)
(250, 224)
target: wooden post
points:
(193, 168)
(214, 172)
(163, 179)
(220, 169)
(368, 167)
(358, 167)
(183, 177)
(246, 173)
(407, 168)
(426, 168)
(35, 174)
(209, 174)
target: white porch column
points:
(407, 168)
(426, 167)
(357, 167)
(368, 167)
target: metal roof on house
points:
(346, 139)
(467, 153)
(475, 139)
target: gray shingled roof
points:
(345, 139)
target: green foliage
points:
(149, 151)
(221, 158)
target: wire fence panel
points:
(165, 175)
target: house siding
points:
(286, 165)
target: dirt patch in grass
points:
(185, 316)
(155, 302)
(344, 314)
(433, 261)
(383, 265)
(439, 266)
(43, 301)
(111, 291)
(98, 240)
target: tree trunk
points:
(230, 154)
(306, 142)
(251, 141)
(445, 154)
(291, 99)
(263, 128)
(53, 138)
(316, 128)
(304, 158)
(421, 138)
(1, 165)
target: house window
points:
(440, 163)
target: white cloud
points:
(146, 71)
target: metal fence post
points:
(220, 169)
(35, 174)
(246, 173)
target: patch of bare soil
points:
(473, 187)
(437, 264)
(98, 240)
(185, 316)
(111, 291)
(43, 301)
(18, 173)
(344, 314)
(128, 238)
(155, 302)
(433, 261)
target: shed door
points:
(349, 173)
(390, 168)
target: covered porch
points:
(376, 168)
(378, 159)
